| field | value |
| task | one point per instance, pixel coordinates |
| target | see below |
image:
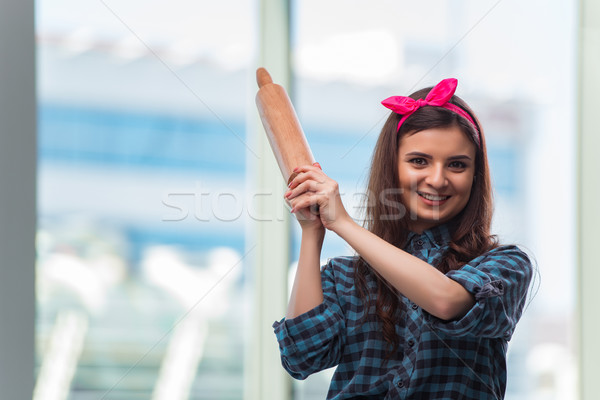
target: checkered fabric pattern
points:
(436, 359)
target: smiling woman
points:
(441, 151)
(428, 288)
(436, 170)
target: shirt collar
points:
(439, 235)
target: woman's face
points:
(436, 169)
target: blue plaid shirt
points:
(436, 359)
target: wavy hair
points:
(470, 229)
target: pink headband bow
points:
(437, 97)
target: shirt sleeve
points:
(499, 280)
(313, 341)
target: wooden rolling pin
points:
(281, 124)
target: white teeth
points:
(433, 197)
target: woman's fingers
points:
(306, 186)
(304, 201)
(309, 178)
(311, 181)
(304, 168)
(315, 175)
(319, 195)
(313, 192)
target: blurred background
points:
(147, 167)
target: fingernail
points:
(318, 165)
(288, 193)
(293, 210)
(296, 169)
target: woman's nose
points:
(437, 177)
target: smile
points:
(433, 197)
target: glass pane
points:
(349, 57)
(142, 145)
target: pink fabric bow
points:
(437, 97)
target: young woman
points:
(426, 307)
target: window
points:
(142, 255)
(141, 247)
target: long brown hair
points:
(470, 229)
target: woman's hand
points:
(310, 188)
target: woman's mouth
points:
(433, 199)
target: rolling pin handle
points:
(262, 77)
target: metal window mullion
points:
(588, 195)
(265, 378)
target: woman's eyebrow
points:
(428, 156)
(460, 157)
(419, 154)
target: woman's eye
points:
(458, 164)
(418, 161)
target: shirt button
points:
(414, 306)
(411, 343)
(420, 242)
(400, 383)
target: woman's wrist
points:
(313, 233)
(343, 224)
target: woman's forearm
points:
(307, 292)
(419, 281)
